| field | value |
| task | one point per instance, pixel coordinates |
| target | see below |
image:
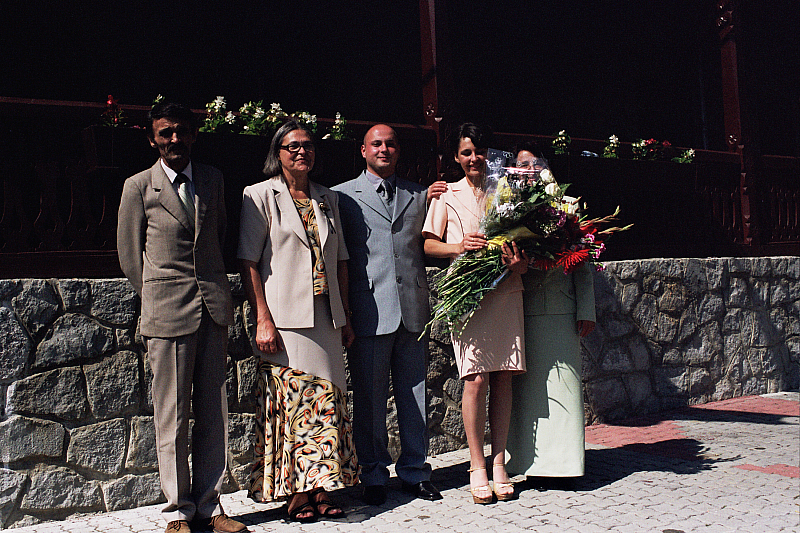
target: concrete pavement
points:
(730, 466)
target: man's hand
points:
(436, 189)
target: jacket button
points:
(399, 278)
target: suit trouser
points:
(371, 359)
(189, 373)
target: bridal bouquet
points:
(528, 207)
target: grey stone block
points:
(132, 491)
(60, 393)
(616, 360)
(113, 385)
(716, 273)
(640, 355)
(672, 300)
(99, 447)
(792, 268)
(75, 293)
(695, 280)
(240, 476)
(142, 445)
(779, 292)
(56, 487)
(646, 315)
(453, 425)
(687, 325)
(15, 346)
(73, 337)
(639, 389)
(629, 297)
(737, 293)
(26, 439)
(241, 438)
(238, 342)
(700, 382)
(760, 294)
(618, 327)
(606, 395)
(705, 346)
(247, 374)
(454, 389)
(9, 288)
(628, 270)
(36, 305)
(114, 301)
(670, 382)
(11, 486)
(712, 307)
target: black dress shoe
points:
(374, 494)
(423, 490)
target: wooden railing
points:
(61, 180)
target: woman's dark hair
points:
(480, 136)
(173, 111)
(272, 166)
(527, 146)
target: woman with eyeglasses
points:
(547, 438)
(294, 272)
(489, 349)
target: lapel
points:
(465, 198)
(402, 197)
(324, 222)
(202, 194)
(167, 195)
(287, 211)
(366, 194)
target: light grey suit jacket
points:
(552, 292)
(273, 236)
(173, 270)
(387, 264)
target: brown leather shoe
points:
(223, 524)
(178, 526)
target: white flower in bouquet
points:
(506, 209)
(230, 118)
(569, 205)
(546, 176)
(552, 189)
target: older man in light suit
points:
(382, 217)
(170, 235)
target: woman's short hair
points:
(272, 166)
(481, 136)
(528, 146)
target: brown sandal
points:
(332, 511)
(502, 496)
(480, 500)
(294, 514)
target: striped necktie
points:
(185, 196)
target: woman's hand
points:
(585, 327)
(348, 335)
(268, 340)
(473, 241)
(514, 258)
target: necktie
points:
(185, 196)
(386, 191)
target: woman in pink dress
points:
(490, 348)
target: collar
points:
(171, 174)
(377, 180)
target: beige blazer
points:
(173, 270)
(273, 236)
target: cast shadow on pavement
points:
(608, 465)
(444, 479)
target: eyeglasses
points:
(535, 164)
(295, 147)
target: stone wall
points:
(76, 427)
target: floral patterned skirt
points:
(304, 437)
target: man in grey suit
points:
(382, 217)
(170, 234)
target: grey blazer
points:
(174, 271)
(387, 265)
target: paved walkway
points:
(729, 466)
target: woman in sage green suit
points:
(546, 438)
